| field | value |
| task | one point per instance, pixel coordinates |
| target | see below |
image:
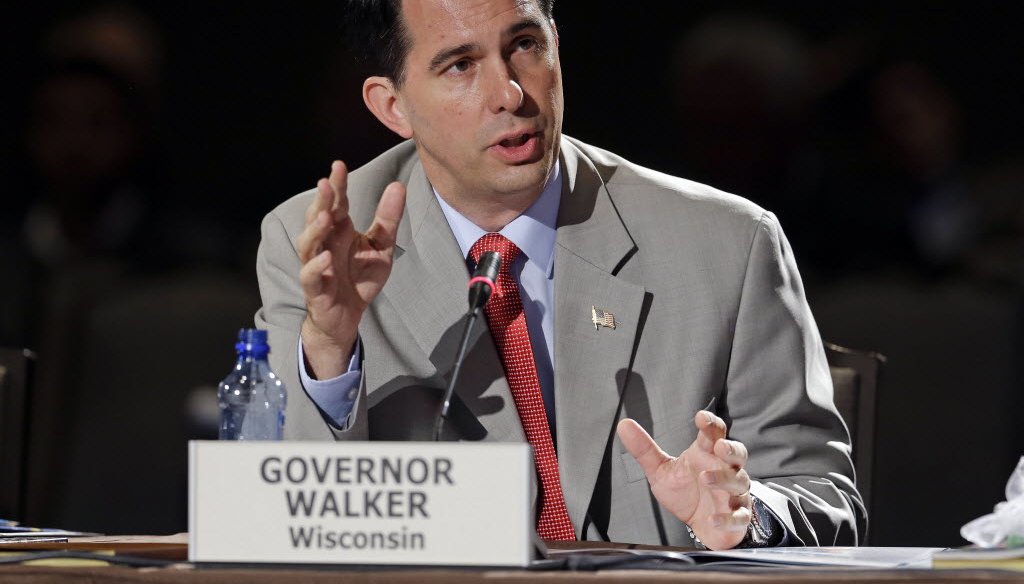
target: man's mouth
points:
(520, 148)
(515, 141)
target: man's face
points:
(482, 95)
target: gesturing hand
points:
(343, 270)
(705, 486)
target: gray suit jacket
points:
(707, 301)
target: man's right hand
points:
(343, 270)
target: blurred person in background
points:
(91, 221)
(909, 243)
(114, 260)
(86, 177)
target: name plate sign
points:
(415, 503)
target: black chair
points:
(15, 381)
(111, 454)
(855, 377)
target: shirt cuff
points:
(335, 397)
(778, 535)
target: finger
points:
(710, 428)
(323, 200)
(743, 500)
(311, 275)
(732, 452)
(389, 213)
(734, 482)
(339, 184)
(643, 448)
(310, 241)
(734, 521)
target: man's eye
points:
(460, 66)
(526, 44)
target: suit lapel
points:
(591, 363)
(427, 288)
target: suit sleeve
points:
(282, 313)
(778, 402)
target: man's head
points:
(377, 33)
(476, 83)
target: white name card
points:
(414, 503)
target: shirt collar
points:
(533, 232)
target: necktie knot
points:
(499, 243)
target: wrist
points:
(761, 531)
(327, 355)
(697, 543)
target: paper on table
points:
(858, 557)
(973, 557)
(40, 534)
(175, 539)
(822, 557)
(13, 530)
(173, 547)
(979, 553)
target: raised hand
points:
(705, 487)
(343, 270)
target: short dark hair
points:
(378, 36)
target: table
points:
(174, 548)
(187, 575)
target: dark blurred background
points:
(144, 141)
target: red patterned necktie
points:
(508, 327)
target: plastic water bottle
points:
(252, 398)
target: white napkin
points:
(1005, 525)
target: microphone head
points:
(482, 283)
(490, 263)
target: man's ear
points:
(383, 100)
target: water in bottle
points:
(252, 398)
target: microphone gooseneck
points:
(481, 284)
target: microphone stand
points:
(480, 287)
(442, 417)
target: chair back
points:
(15, 381)
(112, 457)
(855, 377)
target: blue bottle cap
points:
(253, 336)
(252, 341)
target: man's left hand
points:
(705, 487)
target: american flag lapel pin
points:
(602, 318)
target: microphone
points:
(481, 284)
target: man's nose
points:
(506, 94)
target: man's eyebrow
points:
(523, 24)
(444, 55)
(440, 58)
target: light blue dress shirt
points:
(533, 232)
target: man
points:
(627, 295)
